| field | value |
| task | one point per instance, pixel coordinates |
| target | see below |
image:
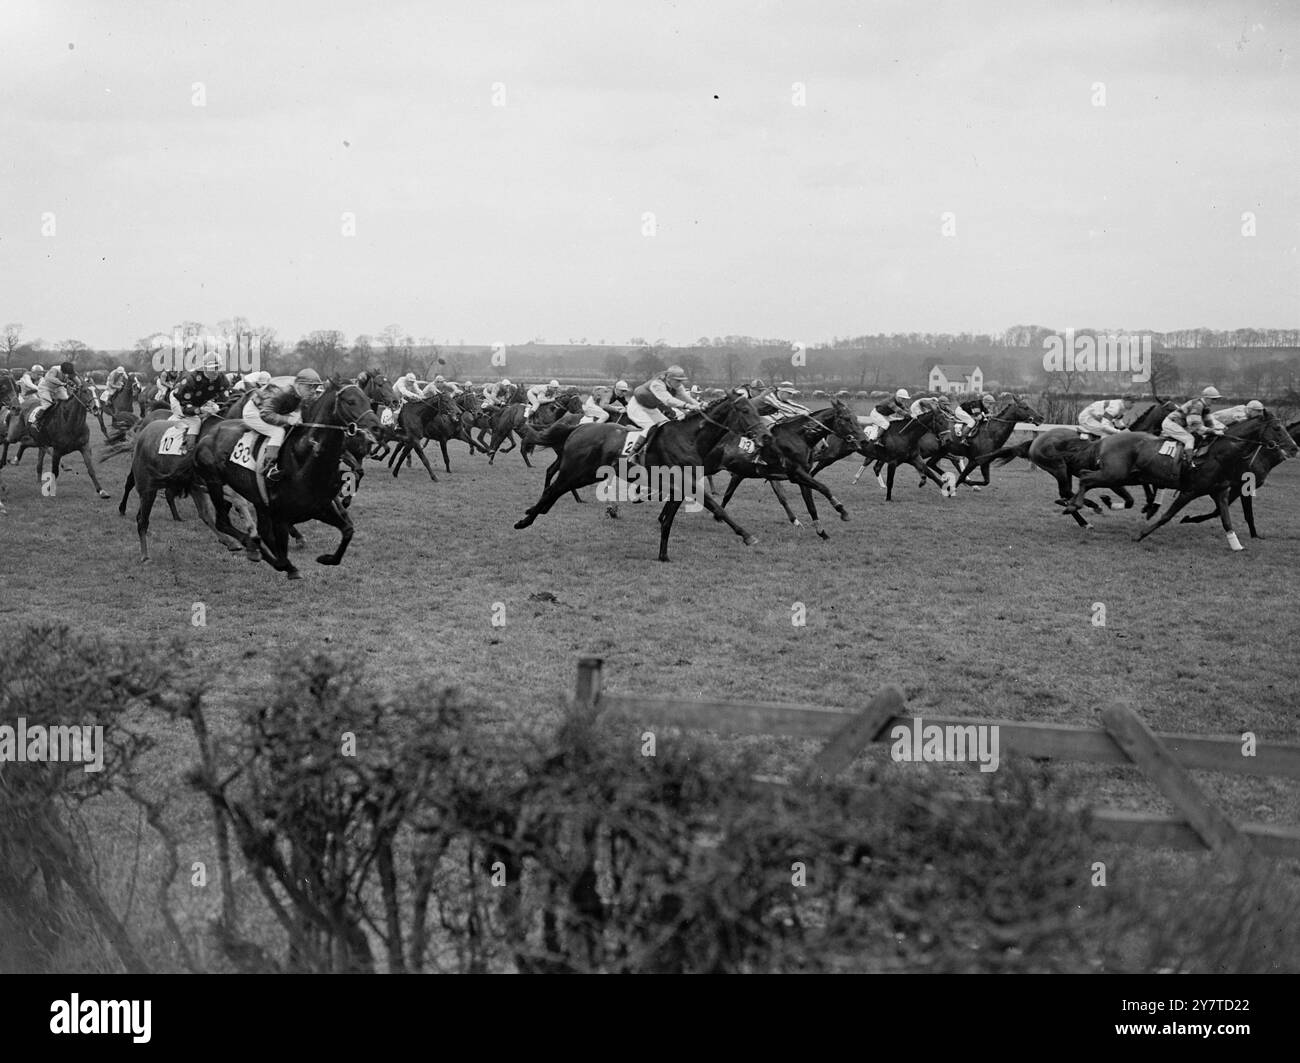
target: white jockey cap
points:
(1211, 393)
(621, 385)
(439, 379)
(38, 368)
(469, 383)
(120, 369)
(1255, 405)
(506, 380)
(212, 360)
(786, 385)
(553, 384)
(901, 393)
(261, 378)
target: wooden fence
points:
(1164, 759)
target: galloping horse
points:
(1135, 458)
(592, 451)
(900, 444)
(1260, 466)
(64, 428)
(788, 455)
(990, 434)
(120, 410)
(310, 478)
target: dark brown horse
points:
(63, 428)
(308, 488)
(900, 444)
(990, 434)
(1135, 458)
(788, 455)
(592, 452)
(1265, 459)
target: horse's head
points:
(351, 407)
(1273, 433)
(843, 422)
(1017, 409)
(739, 413)
(380, 389)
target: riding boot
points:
(267, 471)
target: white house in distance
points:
(956, 378)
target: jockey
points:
(620, 396)
(30, 382)
(779, 404)
(660, 398)
(440, 385)
(199, 394)
(595, 407)
(887, 410)
(116, 379)
(1105, 417)
(272, 411)
(972, 413)
(1191, 422)
(406, 389)
(166, 383)
(495, 392)
(538, 394)
(1233, 414)
(53, 388)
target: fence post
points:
(587, 693)
(1144, 749)
(858, 733)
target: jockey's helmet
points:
(553, 384)
(1211, 392)
(259, 379)
(1254, 406)
(67, 369)
(674, 372)
(307, 376)
(212, 362)
(902, 394)
(469, 383)
(621, 386)
(505, 382)
(38, 368)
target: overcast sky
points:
(502, 223)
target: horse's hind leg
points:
(446, 461)
(126, 493)
(711, 504)
(147, 496)
(170, 495)
(90, 468)
(337, 517)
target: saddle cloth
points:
(171, 440)
(1170, 447)
(629, 444)
(246, 450)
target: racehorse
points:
(900, 444)
(513, 418)
(591, 452)
(990, 434)
(1136, 458)
(1260, 466)
(435, 417)
(64, 428)
(120, 410)
(788, 456)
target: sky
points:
(500, 172)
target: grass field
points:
(980, 605)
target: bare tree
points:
(11, 339)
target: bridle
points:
(349, 429)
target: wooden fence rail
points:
(1164, 759)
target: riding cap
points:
(901, 393)
(1211, 393)
(757, 382)
(675, 372)
(1255, 405)
(506, 381)
(440, 379)
(621, 385)
(469, 383)
(38, 368)
(212, 360)
(259, 379)
(786, 385)
(553, 384)
(307, 376)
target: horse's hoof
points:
(293, 573)
(103, 494)
(822, 533)
(520, 525)
(844, 515)
(327, 559)
(750, 540)
(977, 488)
(145, 560)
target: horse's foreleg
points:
(808, 483)
(126, 493)
(711, 504)
(446, 461)
(336, 517)
(785, 504)
(90, 468)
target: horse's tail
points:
(1006, 455)
(553, 435)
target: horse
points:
(63, 428)
(591, 452)
(1259, 469)
(989, 435)
(8, 401)
(900, 444)
(120, 410)
(788, 457)
(309, 484)
(435, 417)
(1135, 458)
